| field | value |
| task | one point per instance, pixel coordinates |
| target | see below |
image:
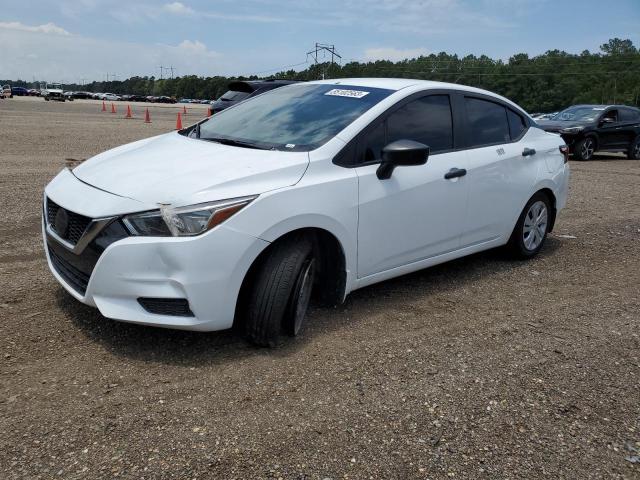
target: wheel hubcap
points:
(305, 284)
(535, 225)
(587, 149)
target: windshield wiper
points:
(235, 143)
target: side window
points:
(516, 124)
(426, 120)
(373, 143)
(612, 114)
(487, 122)
(628, 115)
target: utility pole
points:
(161, 71)
(324, 48)
(171, 68)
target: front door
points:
(417, 213)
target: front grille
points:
(177, 307)
(70, 226)
(74, 277)
(76, 269)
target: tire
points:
(634, 149)
(584, 149)
(530, 232)
(280, 292)
(46, 99)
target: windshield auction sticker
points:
(336, 92)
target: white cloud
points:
(29, 53)
(48, 28)
(393, 54)
(178, 8)
(196, 48)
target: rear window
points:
(234, 96)
(298, 117)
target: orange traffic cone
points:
(113, 108)
(128, 115)
(104, 106)
(184, 109)
(209, 112)
(179, 122)
(147, 117)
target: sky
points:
(76, 41)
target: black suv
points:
(590, 128)
(240, 90)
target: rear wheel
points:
(281, 291)
(584, 149)
(634, 149)
(530, 232)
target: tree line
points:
(547, 82)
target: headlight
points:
(184, 221)
(571, 130)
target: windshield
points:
(298, 117)
(579, 114)
(233, 95)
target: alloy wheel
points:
(588, 148)
(535, 225)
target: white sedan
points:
(315, 188)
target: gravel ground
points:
(481, 368)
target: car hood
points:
(174, 169)
(556, 126)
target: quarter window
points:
(487, 122)
(516, 124)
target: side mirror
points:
(401, 153)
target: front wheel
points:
(584, 149)
(634, 150)
(281, 291)
(530, 232)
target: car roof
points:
(397, 84)
(587, 105)
(249, 86)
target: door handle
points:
(455, 173)
(528, 152)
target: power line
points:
(324, 49)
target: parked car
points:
(19, 91)
(5, 92)
(110, 97)
(34, 92)
(184, 100)
(587, 129)
(137, 98)
(69, 96)
(543, 116)
(316, 188)
(241, 90)
(53, 91)
(81, 95)
(165, 99)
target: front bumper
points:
(206, 270)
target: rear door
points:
(628, 127)
(499, 176)
(609, 135)
(417, 213)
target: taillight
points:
(564, 150)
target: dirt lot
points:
(480, 368)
